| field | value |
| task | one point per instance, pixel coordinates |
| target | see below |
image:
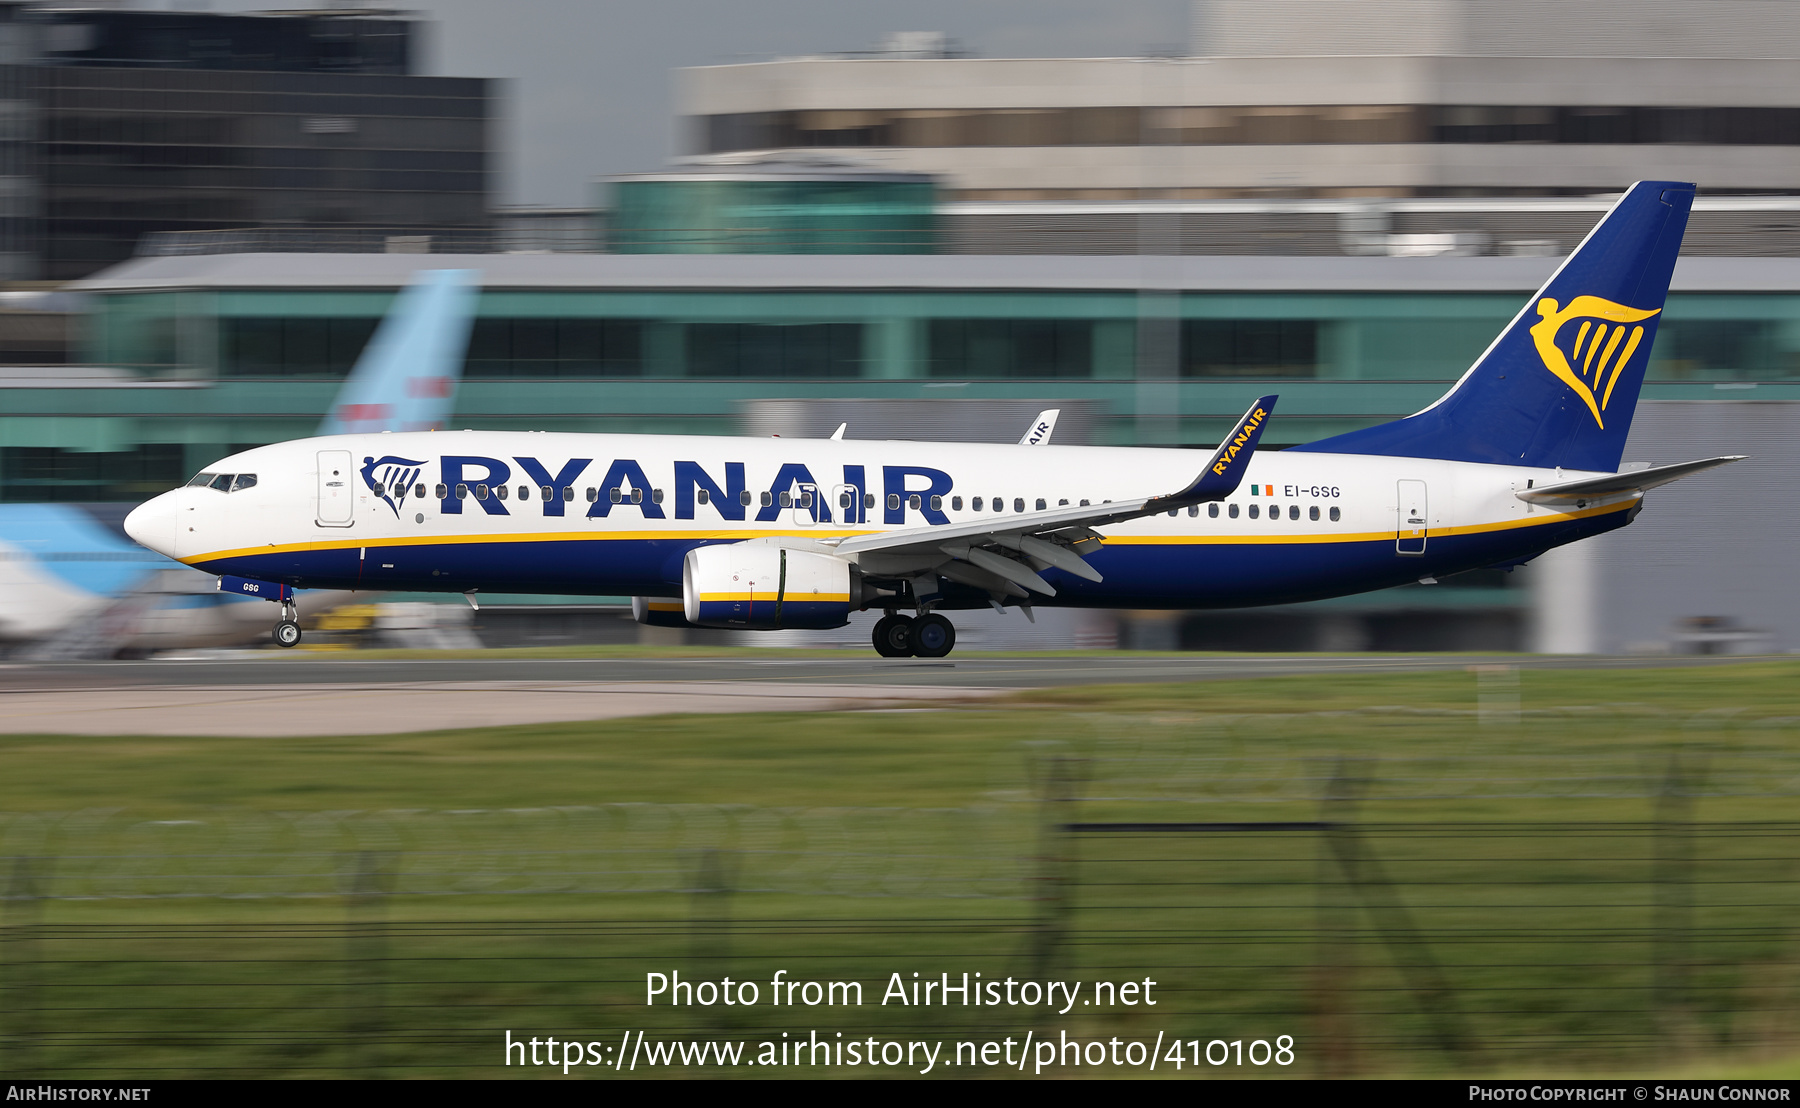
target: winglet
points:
(1039, 432)
(1222, 474)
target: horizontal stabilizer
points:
(1612, 484)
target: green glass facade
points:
(826, 215)
(205, 371)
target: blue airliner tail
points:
(407, 376)
(1560, 384)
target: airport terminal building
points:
(188, 358)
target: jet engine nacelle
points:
(752, 585)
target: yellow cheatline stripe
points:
(1271, 539)
(770, 598)
(529, 537)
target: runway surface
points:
(288, 695)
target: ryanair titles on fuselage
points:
(471, 479)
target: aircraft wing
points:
(1060, 537)
(1631, 480)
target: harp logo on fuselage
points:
(391, 479)
(1591, 356)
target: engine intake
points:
(758, 586)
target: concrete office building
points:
(1392, 117)
(116, 123)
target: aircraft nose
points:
(152, 524)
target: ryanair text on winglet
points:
(1238, 441)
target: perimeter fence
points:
(1576, 890)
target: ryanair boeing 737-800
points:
(1520, 456)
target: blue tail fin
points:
(1560, 384)
(406, 378)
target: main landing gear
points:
(287, 632)
(928, 636)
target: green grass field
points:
(1599, 876)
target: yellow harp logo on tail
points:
(1597, 350)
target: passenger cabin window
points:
(868, 500)
(1312, 513)
(462, 492)
(545, 492)
(244, 481)
(1042, 504)
(913, 502)
(701, 496)
(1064, 503)
(956, 503)
(637, 496)
(787, 500)
(613, 494)
(593, 496)
(975, 504)
(1255, 511)
(768, 499)
(999, 504)
(1294, 512)
(443, 492)
(1018, 503)
(500, 491)
(1335, 515)
(893, 501)
(524, 492)
(481, 492)
(1084, 502)
(421, 492)
(1193, 510)
(744, 498)
(201, 480)
(937, 503)
(1212, 510)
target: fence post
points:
(19, 1000)
(365, 978)
(1058, 778)
(710, 917)
(1334, 981)
(1673, 898)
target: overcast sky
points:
(588, 82)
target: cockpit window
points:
(222, 482)
(244, 481)
(201, 480)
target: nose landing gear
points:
(928, 636)
(287, 632)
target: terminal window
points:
(774, 350)
(1011, 348)
(1249, 348)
